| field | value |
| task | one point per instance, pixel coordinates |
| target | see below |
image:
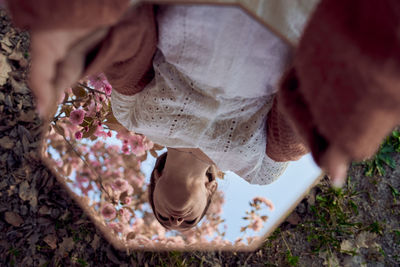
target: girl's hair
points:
(160, 164)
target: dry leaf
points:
(347, 246)
(19, 87)
(44, 210)
(96, 242)
(365, 239)
(66, 245)
(80, 222)
(24, 191)
(51, 240)
(5, 68)
(13, 218)
(28, 193)
(27, 116)
(6, 45)
(293, 218)
(5, 41)
(6, 142)
(329, 259)
(15, 56)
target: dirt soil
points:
(41, 226)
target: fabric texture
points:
(284, 143)
(62, 14)
(343, 92)
(126, 53)
(211, 90)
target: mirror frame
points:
(263, 11)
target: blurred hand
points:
(58, 59)
(335, 163)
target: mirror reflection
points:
(175, 144)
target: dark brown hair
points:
(159, 166)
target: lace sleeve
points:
(269, 171)
(122, 107)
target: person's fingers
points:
(335, 163)
(71, 68)
(44, 58)
(338, 175)
(48, 48)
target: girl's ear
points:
(212, 184)
(211, 187)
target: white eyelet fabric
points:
(216, 72)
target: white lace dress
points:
(216, 72)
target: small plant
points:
(82, 262)
(292, 260)
(376, 228)
(375, 165)
(14, 254)
(397, 236)
(334, 212)
(395, 193)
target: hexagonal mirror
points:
(182, 163)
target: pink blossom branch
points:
(90, 167)
(73, 101)
(91, 89)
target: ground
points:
(40, 225)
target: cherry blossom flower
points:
(120, 185)
(77, 116)
(93, 108)
(125, 149)
(136, 179)
(82, 179)
(108, 211)
(138, 224)
(117, 227)
(127, 200)
(239, 241)
(142, 239)
(98, 81)
(108, 89)
(175, 241)
(125, 215)
(78, 135)
(264, 200)
(86, 190)
(100, 98)
(99, 131)
(256, 223)
(250, 239)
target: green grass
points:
(384, 157)
(333, 217)
(292, 260)
(14, 253)
(376, 227)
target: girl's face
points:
(177, 206)
(182, 190)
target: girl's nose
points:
(175, 221)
